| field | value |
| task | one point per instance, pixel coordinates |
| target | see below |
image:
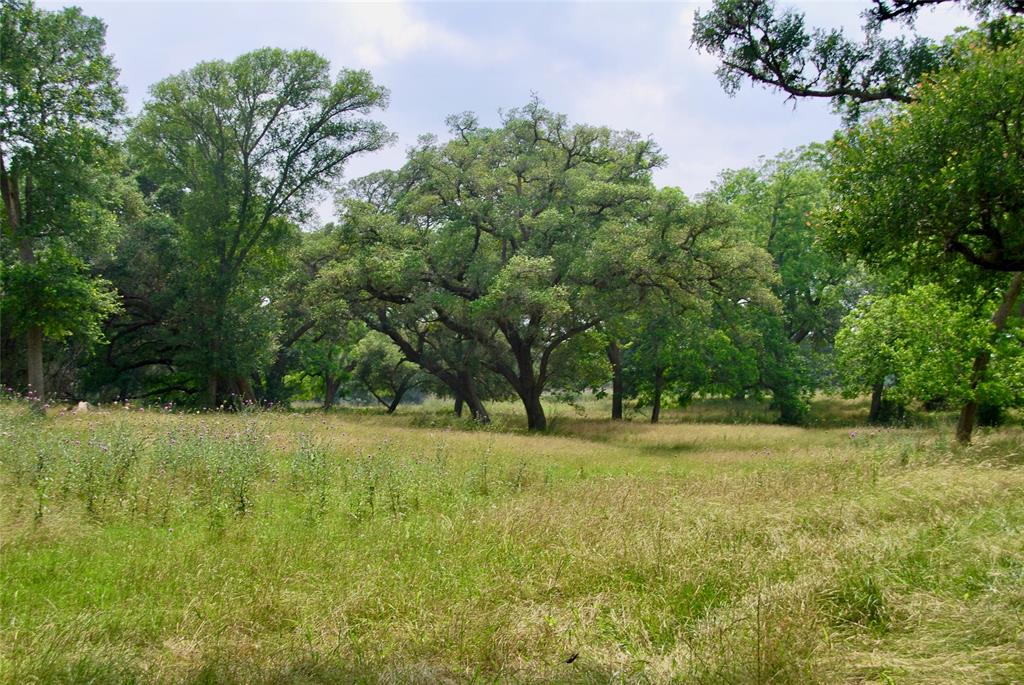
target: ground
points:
(358, 547)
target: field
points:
(143, 546)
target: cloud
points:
(376, 34)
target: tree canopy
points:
(238, 152)
(942, 179)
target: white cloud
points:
(375, 34)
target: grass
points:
(358, 547)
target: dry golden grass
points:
(412, 548)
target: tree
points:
(495, 238)
(142, 357)
(756, 41)
(246, 147)
(774, 203)
(920, 344)
(304, 319)
(60, 102)
(370, 207)
(937, 188)
(328, 358)
(383, 371)
(682, 261)
(679, 354)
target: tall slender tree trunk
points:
(969, 412)
(34, 348)
(36, 377)
(615, 359)
(212, 390)
(396, 399)
(458, 405)
(659, 386)
(875, 413)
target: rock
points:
(82, 407)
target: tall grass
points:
(352, 547)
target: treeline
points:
(172, 257)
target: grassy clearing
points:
(356, 547)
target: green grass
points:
(358, 547)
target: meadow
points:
(351, 546)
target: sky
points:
(627, 65)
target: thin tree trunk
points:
(211, 390)
(969, 412)
(397, 398)
(33, 339)
(615, 359)
(36, 378)
(875, 414)
(458, 406)
(659, 385)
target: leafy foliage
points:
(756, 40)
(238, 153)
(921, 345)
(59, 104)
(942, 180)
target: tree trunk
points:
(968, 416)
(659, 385)
(274, 390)
(330, 390)
(458, 406)
(615, 359)
(211, 390)
(875, 414)
(33, 339)
(477, 411)
(397, 397)
(535, 419)
(245, 390)
(36, 379)
(969, 412)
(476, 408)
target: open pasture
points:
(357, 547)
